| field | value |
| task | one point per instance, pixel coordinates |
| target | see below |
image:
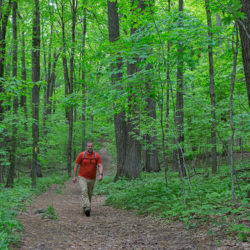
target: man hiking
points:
(88, 162)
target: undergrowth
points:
(14, 199)
(207, 202)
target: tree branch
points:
(231, 12)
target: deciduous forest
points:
(162, 86)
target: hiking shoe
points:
(87, 211)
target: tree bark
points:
(218, 24)
(73, 4)
(132, 164)
(178, 153)
(233, 76)
(164, 142)
(119, 115)
(64, 59)
(245, 43)
(35, 91)
(23, 102)
(83, 117)
(151, 156)
(47, 76)
(68, 111)
(151, 162)
(4, 16)
(52, 82)
(11, 173)
(212, 90)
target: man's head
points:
(90, 146)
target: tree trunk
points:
(23, 102)
(4, 16)
(190, 124)
(212, 90)
(178, 153)
(47, 78)
(69, 114)
(8, 66)
(119, 116)
(151, 162)
(71, 121)
(83, 117)
(245, 43)
(233, 76)
(165, 148)
(132, 162)
(11, 173)
(52, 82)
(218, 24)
(151, 157)
(35, 90)
(64, 60)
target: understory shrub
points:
(206, 199)
(14, 199)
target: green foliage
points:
(49, 213)
(52, 212)
(157, 29)
(208, 201)
(14, 199)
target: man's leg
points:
(85, 196)
(91, 184)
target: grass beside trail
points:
(207, 201)
(14, 199)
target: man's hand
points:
(100, 176)
(74, 180)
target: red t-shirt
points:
(88, 165)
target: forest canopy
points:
(163, 84)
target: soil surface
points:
(106, 228)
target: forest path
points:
(106, 228)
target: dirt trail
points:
(106, 228)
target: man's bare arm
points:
(100, 168)
(75, 171)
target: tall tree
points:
(244, 27)
(167, 66)
(178, 153)
(73, 5)
(47, 73)
(52, 81)
(168, 77)
(151, 154)
(83, 75)
(23, 102)
(151, 161)
(233, 76)
(218, 24)
(11, 173)
(61, 6)
(35, 89)
(5, 8)
(68, 78)
(119, 114)
(212, 88)
(133, 146)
